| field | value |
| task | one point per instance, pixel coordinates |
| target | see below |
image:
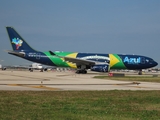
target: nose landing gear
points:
(140, 72)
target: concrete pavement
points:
(37, 81)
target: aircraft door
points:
(38, 56)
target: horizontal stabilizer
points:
(20, 54)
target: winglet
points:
(52, 53)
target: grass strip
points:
(78, 105)
(132, 78)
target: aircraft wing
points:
(78, 61)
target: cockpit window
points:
(147, 60)
(151, 60)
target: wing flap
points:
(79, 61)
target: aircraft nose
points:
(155, 63)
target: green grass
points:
(80, 105)
(132, 78)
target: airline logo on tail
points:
(18, 42)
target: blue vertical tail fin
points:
(17, 42)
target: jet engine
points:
(100, 68)
(45, 69)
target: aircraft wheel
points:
(81, 71)
(140, 72)
(84, 72)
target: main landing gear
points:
(81, 71)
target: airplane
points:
(33, 66)
(2, 67)
(37, 66)
(80, 61)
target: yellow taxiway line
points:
(32, 86)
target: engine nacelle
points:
(45, 69)
(100, 68)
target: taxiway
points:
(61, 81)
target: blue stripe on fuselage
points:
(39, 57)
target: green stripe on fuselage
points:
(56, 60)
(116, 62)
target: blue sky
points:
(98, 26)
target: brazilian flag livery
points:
(115, 61)
(60, 61)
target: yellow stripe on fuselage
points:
(73, 55)
(113, 60)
